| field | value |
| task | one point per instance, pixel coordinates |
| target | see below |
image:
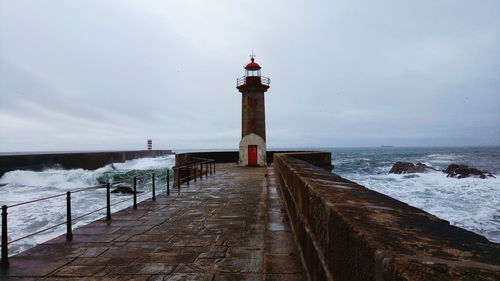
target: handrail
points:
(4, 243)
(262, 79)
(74, 191)
(4, 261)
(36, 200)
(192, 164)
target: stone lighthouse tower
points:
(253, 122)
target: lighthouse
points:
(252, 87)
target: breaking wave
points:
(470, 203)
(21, 186)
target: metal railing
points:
(4, 262)
(69, 219)
(253, 80)
(194, 170)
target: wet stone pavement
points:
(229, 226)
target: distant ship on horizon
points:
(387, 146)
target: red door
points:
(252, 155)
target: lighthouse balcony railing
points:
(253, 80)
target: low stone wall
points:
(348, 232)
(84, 160)
(321, 159)
(218, 156)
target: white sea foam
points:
(471, 203)
(51, 178)
(22, 186)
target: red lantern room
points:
(253, 68)
(252, 75)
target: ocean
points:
(21, 186)
(470, 203)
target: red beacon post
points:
(150, 144)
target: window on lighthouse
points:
(253, 73)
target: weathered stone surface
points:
(217, 229)
(79, 270)
(238, 276)
(282, 264)
(348, 232)
(189, 277)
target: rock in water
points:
(410, 168)
(464, 171)
(123, 189)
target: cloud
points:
(109, 75)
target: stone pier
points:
(293, 220)
(229, 226)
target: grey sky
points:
(93, 74)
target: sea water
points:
(470, 203)
(22, 186)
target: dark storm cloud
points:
(109, 75)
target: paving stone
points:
(33, 266)
(150, 238)
(87, 252)
(239, 265)
(214, 253)
(245, 252)
(200, 265)
(103, 260)
(169, 258)
(117, 278)
(155, 268)
(282, 264)
(126, 270)
(189, 277)
(105, 271)
(78, 270)
(45, 250)
(285, 277)
(238, 277)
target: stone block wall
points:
(253, 119)
(73, 160)
(348, 232)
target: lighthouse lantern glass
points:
(253, 73)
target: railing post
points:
(168, 182)
(69, 231)
(178, 178)
(210, 163)
(4, 262)
(206, 169)
(201, 170)
(108, 202)
(135, 193)
(195, 172)
(154, 187)
(189, 174)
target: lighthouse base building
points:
(253, 121)
(252, 151)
